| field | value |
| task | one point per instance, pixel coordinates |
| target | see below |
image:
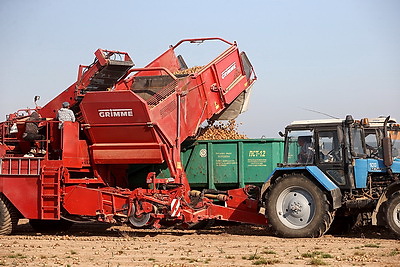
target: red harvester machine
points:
(125, 117)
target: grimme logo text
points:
(228, 70)
(115, 112)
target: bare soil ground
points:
(224, 245)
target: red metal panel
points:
(235, 89)
(74, 152)
(228, 68)
(114, 107)
(127, 153)
(23, 192)
(232, 214)
(120, 129)
(117, 117)
(102, 202)
(82, 201)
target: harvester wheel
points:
(8, 216)
(46, 226)
(141, 220)
(296, 207)
(393, 213)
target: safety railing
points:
(20, 166)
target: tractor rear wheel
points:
(8, 216)
(48, 226)
(296, 207)
(393, 213)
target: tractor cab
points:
(328, 144)
(333, 145)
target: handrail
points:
(201, 40)
(103, 55)
(150, 69)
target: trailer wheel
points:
(8, 217)
(393, 213)
(296, 207)
(46, 226)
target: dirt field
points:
(232, 245)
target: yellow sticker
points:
(179, 165)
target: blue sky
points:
(336, 57)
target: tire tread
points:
(322, 227)
(8, 216)
(388, 222)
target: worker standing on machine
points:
(32, 134)
(65, 114)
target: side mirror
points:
(387, 145)
(349, 120)
(340, 134)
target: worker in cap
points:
(65, 114)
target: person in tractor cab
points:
(306, 154)
(65, 114)
(32, 134)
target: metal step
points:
(50, 193)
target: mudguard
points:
(319, 178)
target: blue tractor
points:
(335, 172)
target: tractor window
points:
(299, 147)
(372, 145)
(329, 147)
(357, 143)
(395, 135)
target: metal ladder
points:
(50, 193)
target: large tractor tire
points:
(8, 216)
(296, 207)
(49, 226)
(393, 213)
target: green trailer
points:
(221, 164)
(229, 164)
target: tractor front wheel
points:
(296, 207)
(393, 213)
